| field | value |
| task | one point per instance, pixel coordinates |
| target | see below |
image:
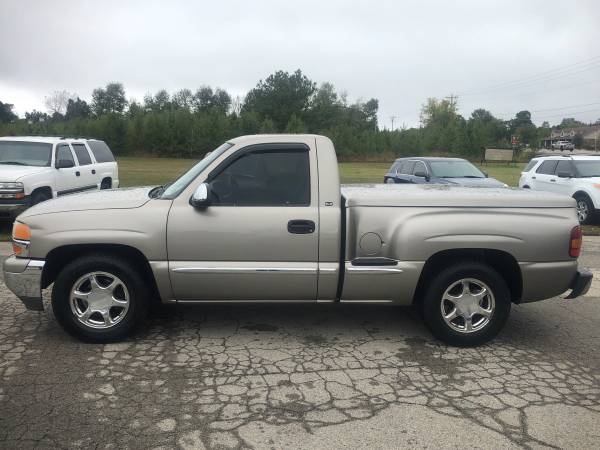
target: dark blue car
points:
(439, 171)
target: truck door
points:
(87, 170)
(258, 239)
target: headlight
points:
(11, 190)
(11, 185)
(21, 237)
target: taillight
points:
(575, 242)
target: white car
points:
(575, 176)
(35, 168)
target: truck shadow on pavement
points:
(281, 376)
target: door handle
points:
(77, 173)
(94, 171)
(533, 178)
(301, 226)
(553, 180)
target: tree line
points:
(188, 123)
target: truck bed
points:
(450, 196)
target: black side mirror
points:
(64, 164)
(201, 197)
(421, 174)
(485, 174)
(562, 174)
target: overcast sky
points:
(501, 55)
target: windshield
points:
(455, 169)
(589, 168)
(182, 182)
(25, 153)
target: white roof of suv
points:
(44, 139)
(573, 157)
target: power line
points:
(567, 70)
(565, 107)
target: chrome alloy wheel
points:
(467, 305)
(582, 210)
(99, 300)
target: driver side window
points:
(264, 178)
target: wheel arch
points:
(46, 189)
(582, 193)
(503, 262)
(58, 257)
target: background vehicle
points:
(439, 171)
(563, 145)
(575, 176)
(34, 169)
(262, 218)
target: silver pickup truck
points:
(263, 219)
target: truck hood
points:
(451, 196)
(10, 173)
(94, 200)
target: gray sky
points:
(502, 55)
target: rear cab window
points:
(547, 167)
(101, 151)
(82, 154)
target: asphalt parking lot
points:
(304, 377)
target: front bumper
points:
(581, 283)
(10, 208)
(23, 277)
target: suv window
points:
(564, 166)
(64, 152)
(547, 167)
(530, 165)
(419, 166)
(406, 167)
(273, 178)
(101, 151)
(82, 154)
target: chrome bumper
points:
(23, 277)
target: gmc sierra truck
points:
(263, 219)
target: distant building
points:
(590, 136)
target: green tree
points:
(77, 109)
(6, 113)
(280, 95)
(110, 99)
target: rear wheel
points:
(99, 298)
(585, 209)
(466, 304)
(106, 183)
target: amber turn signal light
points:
(575, 242)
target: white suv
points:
(576, 176)
(35, 168)
(563, 145)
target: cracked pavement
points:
(304, 376)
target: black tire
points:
(431, 306)
(585, 209)
(39, 197)
(106, 184)
(139, 296)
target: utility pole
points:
(392, 118)
(453, 99)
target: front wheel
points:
(466, 304)
(99, 298)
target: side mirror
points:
(562, 174)
(64, 164)
(201, 198)
(421, 174)
(485, 174)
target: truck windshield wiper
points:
(13, 163)
(471, 176)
